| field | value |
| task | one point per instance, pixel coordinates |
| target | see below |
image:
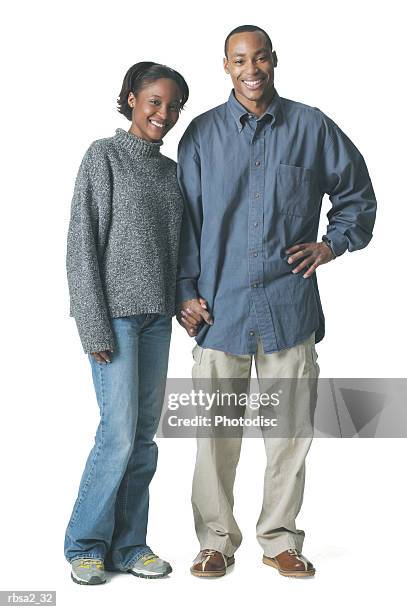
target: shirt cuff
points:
(186, 290)
(337, 241)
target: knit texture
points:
(123, 236)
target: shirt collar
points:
(239, 112)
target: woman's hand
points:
(102, 356)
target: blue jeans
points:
(109, 518)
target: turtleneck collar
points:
(137, 146)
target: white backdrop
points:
(63, 64)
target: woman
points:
(121, 266)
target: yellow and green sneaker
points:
(150, 566)
(88, 571)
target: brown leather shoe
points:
(291, 563)
(211, 564)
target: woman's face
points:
(156, 109)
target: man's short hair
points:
(247, 28)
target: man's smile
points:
(253, 83)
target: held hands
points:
(191, 313)
(315, 254)
(102, 357)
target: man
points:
(253, 172)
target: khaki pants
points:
(217, 457)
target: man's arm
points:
(191, 309)
(343, 175)
(345, 178)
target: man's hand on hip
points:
(313, 254)
(192, 313)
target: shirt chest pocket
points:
(297, 192)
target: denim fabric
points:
(253, 188)
(109, 518)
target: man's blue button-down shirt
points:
(252, 188)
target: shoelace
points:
(149, 557)
(88, 563)
(294, 553)
(208, 555)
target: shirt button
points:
(251, 333)
(257, 162)
(255, 285)
(255, 254)
(257, 194)
(255, 224)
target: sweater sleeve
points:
(87, 235)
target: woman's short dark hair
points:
(143, 73)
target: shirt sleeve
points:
(189, 179)
(87, 233)
(346, 180)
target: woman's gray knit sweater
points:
(123, 236)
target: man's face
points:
(250, 65)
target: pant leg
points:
(217, 457)
(285, 472)
(91, 525)
(129, 538)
